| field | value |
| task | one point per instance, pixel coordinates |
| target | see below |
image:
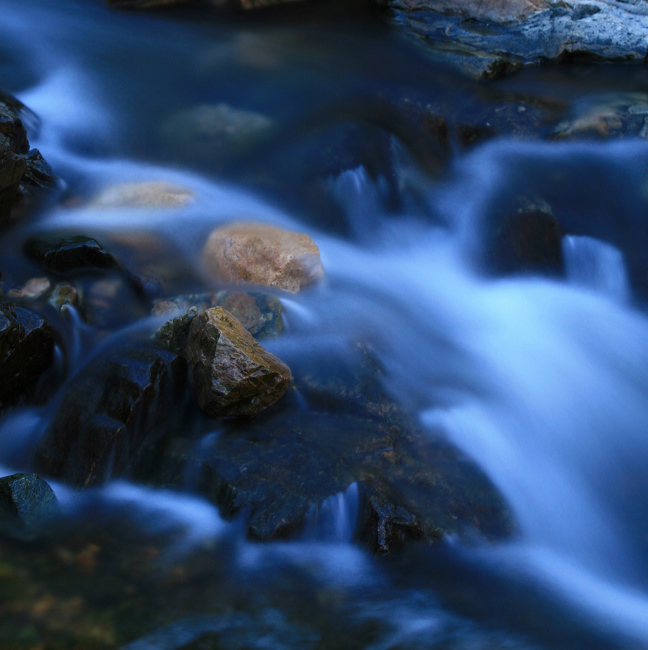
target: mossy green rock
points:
(26, 351)
(232, 375)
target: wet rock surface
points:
(26, 352)
(259, 313)
(487, 39)
(27, 503)
(232, 375)
(263, 254)
(23, 172)
(109, 409)
(274, 469)
(154, 194)
(69, 254)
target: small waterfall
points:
(596, 265)
(336, 519)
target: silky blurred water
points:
(543, 382)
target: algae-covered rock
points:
(26, 351)
(27, 502)
(64, 294)
(232, 375)
(263, 254)
(69, 254)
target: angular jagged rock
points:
(69, 254)
(259, 313)
(108, 410)
(26, 351)
(231, 374)
(23, 172)
(27, 503)
(262, 254)
(277, 467)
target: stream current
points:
(542, 382)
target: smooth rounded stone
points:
(487, 39)
(69, 254)
(263, 254)
(109, 409)
(64, 294)
(26, 351)
(34, 288)
(231, 374)
(27, 503)
(143, 195)
(528, 242)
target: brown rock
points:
(232, 375)
(34, 288)
(143, 195)
(263, 254)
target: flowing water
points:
(542, 381)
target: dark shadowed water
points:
(542, 381)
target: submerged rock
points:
(108, 410)
(262, 254)
(27, 503)
(232, 375)
(143, 195)
(489, 38)
(69, 254)
(26, 351)
(528, 242)
(34, 288)
(64, 294)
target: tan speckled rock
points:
(231, 374)
(262, 254)
(155, 194)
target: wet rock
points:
(262, 254)
(487, 39)
(26, 351)
(528, 242)
(64, 294)
(27, 503)
(34, 288)
(335, 428)
(69, 254)
(173, 334)
(108, 410)
(387, 525)
(259, 313)
(232, 375)
(23, 172)
(143, 195)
